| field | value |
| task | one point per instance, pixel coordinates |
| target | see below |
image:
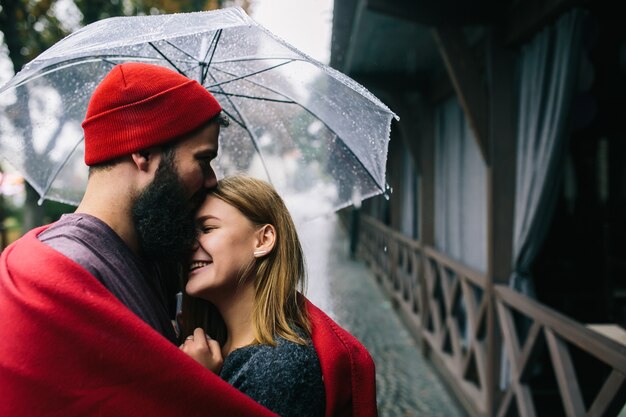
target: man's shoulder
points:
(28, 253)
(72, 224)
(81, 237)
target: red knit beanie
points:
(138, 105)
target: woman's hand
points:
(204, 350)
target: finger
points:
(216, 350)
(214, 345)
(199, 336)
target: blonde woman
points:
(247, 320)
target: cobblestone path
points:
(346, 290)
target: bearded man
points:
(73, 345)
(150, 135)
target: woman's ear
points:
(266, 239)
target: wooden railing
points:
(395, 261)
(563, 337)
(455, 325)
(447, 306)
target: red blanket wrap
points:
(69, 348)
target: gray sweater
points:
(286, 379)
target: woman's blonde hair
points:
(278, 276)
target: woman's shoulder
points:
(286, 378)
(297, 354)
(284, 358)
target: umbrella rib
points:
(246, 75)
(206, 54)
(255, 141)
(181, 50)
(381, 187)
(263, 58)
(275, 100)
(97, 58)
(167, 59)
(212, 47)
(109, 62)
(201, 62)
(216, 38)
(69, 63)
(58, 170)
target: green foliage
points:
(29, 27)
(54, 210)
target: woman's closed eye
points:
(206, 229)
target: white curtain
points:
(548, 80)
(460, 189)
(409, 196)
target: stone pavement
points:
(347, 291)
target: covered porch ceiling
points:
(376, 47)
(391, 42)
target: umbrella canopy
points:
(319, 137)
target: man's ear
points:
(266, 239)
(144, 159)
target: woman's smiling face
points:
(225, 248)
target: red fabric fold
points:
(69, 348)
(347, 368)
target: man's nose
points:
(210, 180)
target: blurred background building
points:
(504, 241)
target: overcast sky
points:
(305, 24)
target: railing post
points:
(425, 347)
(392, 251)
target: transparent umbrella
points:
(315, 134)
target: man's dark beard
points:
(164, 217)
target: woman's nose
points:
(195, 245)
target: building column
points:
(501, 196)
(426, 227)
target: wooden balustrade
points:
(556, 335)
(396, 262)
(457, 312)
(447, 304)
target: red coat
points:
(69, 348)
